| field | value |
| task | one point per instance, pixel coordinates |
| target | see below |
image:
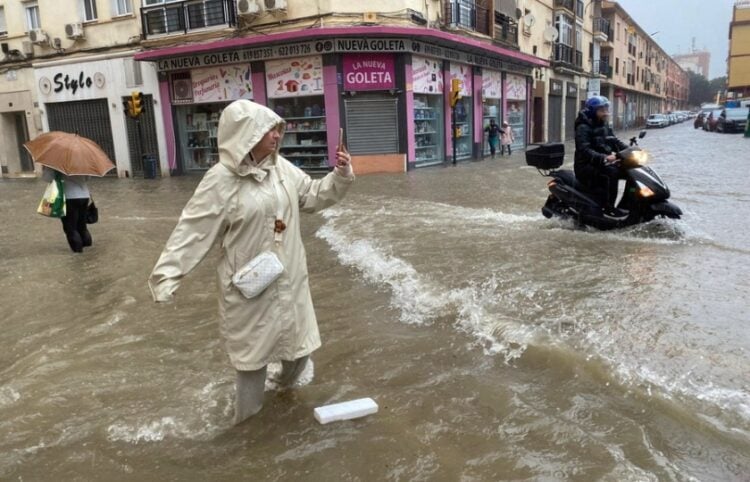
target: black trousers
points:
(502, 149)
(74, 224)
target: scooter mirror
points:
(642, 135)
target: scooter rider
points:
(596, 165)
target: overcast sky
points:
(678, 21)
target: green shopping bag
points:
(53, 201)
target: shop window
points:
(305, 141)
(33, 20)
(428, 129)
(88, 10)
(197, 128)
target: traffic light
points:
(135, 104)
(455, 92)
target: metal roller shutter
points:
(87, 118)
(372, 125)
(150, 142)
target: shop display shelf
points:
(425, 133)
(305, 155)
(304, 118)
(305, 131)
(308, 146)
(427, 147)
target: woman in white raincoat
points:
(238, 203)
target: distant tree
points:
(700, 89)
(718, 84)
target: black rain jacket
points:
(594, 142)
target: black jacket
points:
(594, 142)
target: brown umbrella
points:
(69, 154)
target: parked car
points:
(712, 120)
(732, 120)
(672, 119)
(698, 122)
(657, 120)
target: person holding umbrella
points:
(77, 197)
(74, 159)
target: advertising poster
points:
(492, 84)
(294, 77)
(427, 75)
(463, 73)
(222, 84)
(515, 87)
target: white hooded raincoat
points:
(236, 203)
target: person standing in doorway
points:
(507, 138)
(77, 197)
(493, 136)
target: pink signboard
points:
(515, 87)
(369, 72)
(492, 84)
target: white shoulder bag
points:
(258, 273)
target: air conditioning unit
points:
(27, 48)
(74, 30)
(247, 8)
(38, 36)
(274, 5)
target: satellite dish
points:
(550, 34)
(529, 20)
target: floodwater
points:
(498, 344)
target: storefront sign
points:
(464, 74)
(515, 87)
(72, 84)
(594, 87)
(572, 89)
(221, 84)
(295, 77)
(339, 45)
(555, 87)
(427, 75)
(369, 72)
(492, 84)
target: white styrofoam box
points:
(346, 410)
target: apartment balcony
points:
(566, 4)
(567, 57)
(187, 16)
(602, 29)
(467, 14)
(602, 68)
(506, 31)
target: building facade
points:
(697, 61)
(383, 77)
(69, 69)
(739, 51)
(644, 80)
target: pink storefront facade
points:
(387, 87)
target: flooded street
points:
(498, 344)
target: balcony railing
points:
(506, 30)
(567, 55)
(186, 16)
(468, 14)
(569, 4)
(601, 25)
(602, 67)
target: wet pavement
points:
(499, 345)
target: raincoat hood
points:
(241, 126)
